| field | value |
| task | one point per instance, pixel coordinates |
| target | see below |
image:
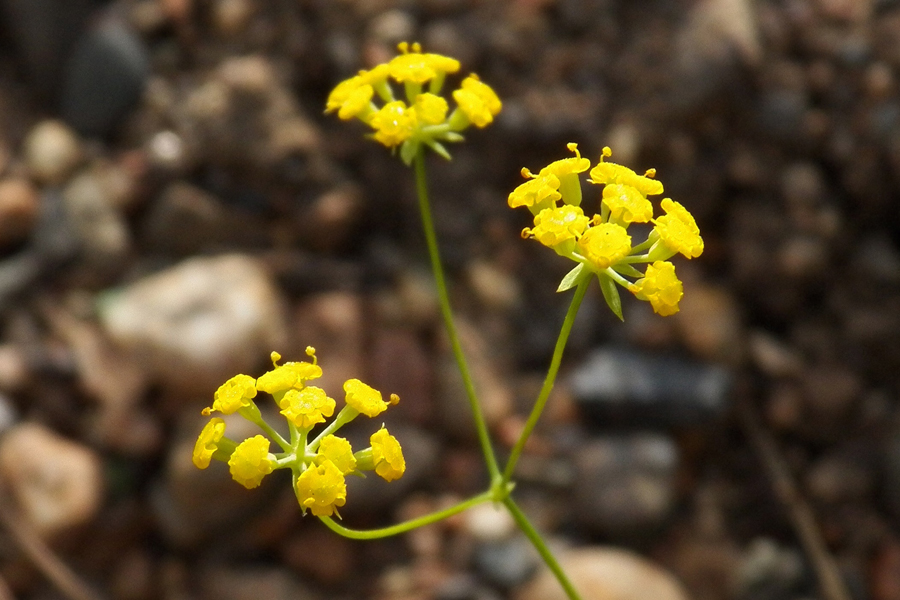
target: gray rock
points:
(769, 572)
(200, 322)
(506, 563)
(624, 386)
(626, 485)
(104, 77)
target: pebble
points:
(507, 563)
(615, 385)
(841, 476)
(19, 209)
(606, 573)
(768, 570)
(400, 364)
(52, 151)
(710, 324)
(230, 582)
(183, 220)
(329, 223)
(488, 522)
(104, 77)
(57, 482)
(625, 484)
(200, 322)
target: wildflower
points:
(430, 109)
(477, 101)
(321, 489)
(538, 193)
(235, 393)
(678, 230)
(626, 204)
(607, 172)
(387, 455)
(338, 451)
(554, 227)
(208, 442)
(567, 170)
(306, 407)
(292, 375)
(394, 123)
(604, 245)
(250, 462)
(419, 68)
(661, 287)
(365, 398)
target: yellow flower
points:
(351, 97)
(387, 455)
(208, 442)
(417, 67)
(394, 123)
(626, 204)
(678, 230)
(321, 489)
(554, 226)
(250, 462)
(477, 101)
(430, 109)
(338, 451)
(306, 407)
(661, 287)
(235, 393)
(536, 191)
(292, 375)
(605, 244)
(364, 398)
(568, 166)
(607, 172)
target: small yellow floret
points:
(430, 108)
(364, 398)
(250, 462)
(208, 442)
(292, 375)
(605, 244)
(321, 489)
(338, 451)
(568, 166)
(607, 172)
(387, 455)
(417, 67)
(678, 230)
(352, 96)
(394, 123)
(235, 393)
(306, 407)
(535, 191)
(553, 226)
(626, 204)
(478, 101)
(661, 287)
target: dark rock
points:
(104, 77)
(628, 387)
(626, 484)
(506, 563)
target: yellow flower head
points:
(208, 442)
(568, 166)
(289, 375)
(607, 172)
(477, 101)
(661, 287)
(535, 191)
(417, 67)
(321, 489)
(364, 398)
(235, 393)
(394, 123)
(626, 204)
(678, 230)
(554, 226)
(338, 451)
(430, 108)
(352, 96)
(250, 462)
(387, 455)
(306, 407)
(605, 244)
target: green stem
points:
(532, 534)
(374, 534)
(549, 380)
(444, 299)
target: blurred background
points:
(174, 205)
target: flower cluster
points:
(320, 465)
(601, 244)
(424, 116)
